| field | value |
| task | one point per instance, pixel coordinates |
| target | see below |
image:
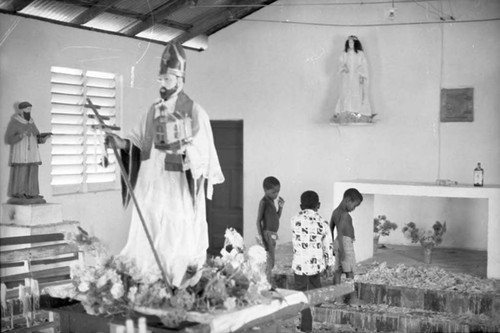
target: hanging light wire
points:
(310, 4)
(430, 8)
(366, 25)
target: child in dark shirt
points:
(343, 244)
(268, 220)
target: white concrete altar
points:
(371, 188)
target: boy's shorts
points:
(349, 263)
(269, 239)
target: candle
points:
(120, 329)
(142, 325)
(129, 324)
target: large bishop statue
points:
(170, 154)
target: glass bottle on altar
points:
(478, 175)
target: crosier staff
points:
(107, 129)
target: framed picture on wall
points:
(457, 105)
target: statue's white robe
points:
(176, 223)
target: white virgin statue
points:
(353, 103)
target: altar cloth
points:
(224, 321)
(283, 304)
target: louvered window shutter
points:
(77, 145)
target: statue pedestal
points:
(32, 220)
(31, 214)
(14, 230)
(34, 250)
(17, 230)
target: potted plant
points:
(428, 238)
(381, 227)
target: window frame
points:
(68, 111)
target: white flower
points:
(224, 253)
(230, 303)
(89, 309)
(150, 275)
(83, 287)
(233, 238)
(101, 282)
(257, 255)
(132, 292)
(117, 290)
(237, 259)
(76, 269)
(262, 284)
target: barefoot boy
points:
(268, 220)
(343, 244)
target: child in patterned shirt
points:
(312, 249)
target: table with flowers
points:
(232, 295)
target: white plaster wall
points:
(281, 80)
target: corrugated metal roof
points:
(191, 15)
(141, 7)
(159, 21)
(53, 10)
(111, 22)
(160, 33)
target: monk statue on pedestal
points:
(24, 137)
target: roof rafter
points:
(93, 12)
(155, 16)
(216, 21)
(18, 5)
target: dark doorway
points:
(226, 207)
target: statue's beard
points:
(167, 93)
(27, 115)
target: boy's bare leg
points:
(352, 298)
(337, 275)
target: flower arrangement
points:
(102, 286)
(114, 284)
(382, 226)
(428, 238)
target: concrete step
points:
(453, 302)
(383, 318)
(444, 301)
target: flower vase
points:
(375, 243)
(427, 255)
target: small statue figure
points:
(23, 137)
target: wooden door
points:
(226, 207)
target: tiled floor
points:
(453, 260)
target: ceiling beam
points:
(155, 16)
(216, 21)
(237, 15)
(93, 12)
(18, 5)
